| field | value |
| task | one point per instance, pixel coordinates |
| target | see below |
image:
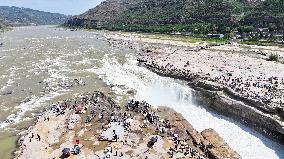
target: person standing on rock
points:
(38, 137)
(31, 137)
(115, 137)
(77, 150)
(171, 152)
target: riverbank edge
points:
(225, 104)
(24, 132)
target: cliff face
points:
(14, 16)
(177, 15)
(263, 112)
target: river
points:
(42, 65)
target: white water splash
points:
(23, 108)
(162, 91)
(34, 102)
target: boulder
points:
(217, 148)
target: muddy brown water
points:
(43, 65)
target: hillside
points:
(14, 16)
(198, 16)
(268, 14)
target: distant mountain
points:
(199, 16)
(15, 16)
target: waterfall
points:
(163, 91)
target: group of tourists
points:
(163, 128)
(105, 112)
(251, 87)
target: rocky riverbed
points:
(233, 79)
(103, 129)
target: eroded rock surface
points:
(101, 128)
(217, 148)
(231, 78)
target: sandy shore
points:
(102, 129)
(237, 77)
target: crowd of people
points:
(257, 88)
(242, 75)
(163, 128)
(105, 112)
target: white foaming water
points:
(11, 78)
(55, 75)
(162, 91)
(34, 102)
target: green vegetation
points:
(245, 29)
(4, 29)
(190, 39)
(267, 14)
(262, 43)
(196, 28)
(259, 43)
(273, 57)
(198, 17)
(1, 28)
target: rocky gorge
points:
(241, 85)
(107, 61)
